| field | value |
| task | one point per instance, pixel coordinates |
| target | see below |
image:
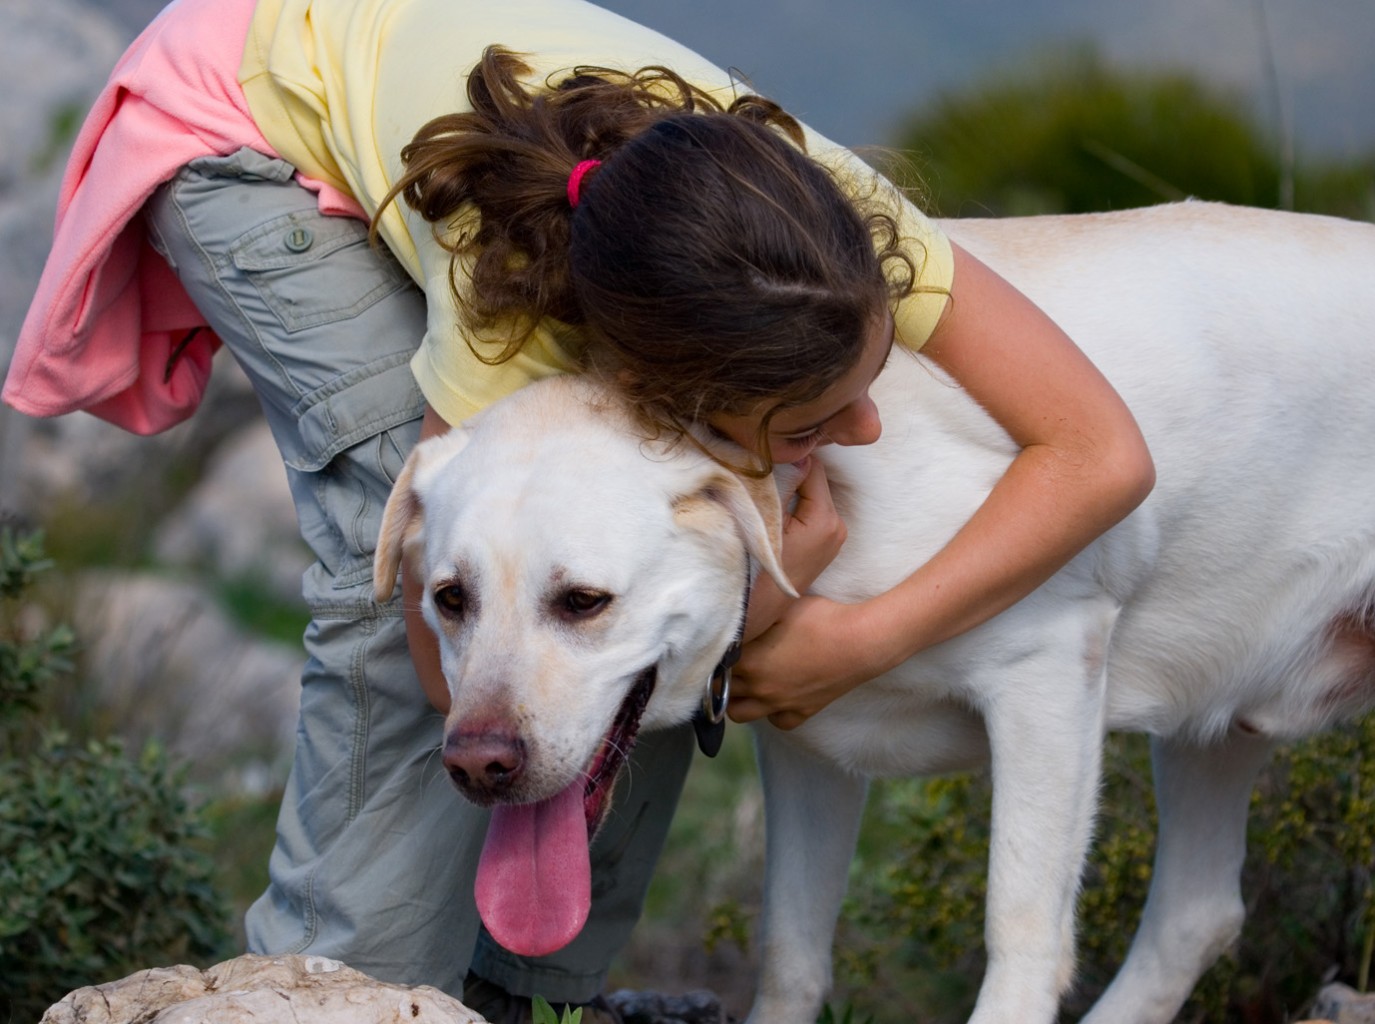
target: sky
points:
(853, 68)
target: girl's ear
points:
(403, 517)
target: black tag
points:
(709, 734)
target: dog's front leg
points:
(1044, 714)
(1195, 909)
(812, 812)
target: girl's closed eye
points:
(794, 447)
(811, 437)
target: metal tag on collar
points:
(710, 721)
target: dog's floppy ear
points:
(754, 507)
(402, 519)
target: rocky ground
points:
(312, 990)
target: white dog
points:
(584, 583)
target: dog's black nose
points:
(484, 765)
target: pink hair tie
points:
(575, 180)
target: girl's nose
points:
(858, 423)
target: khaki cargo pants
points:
(375, 852)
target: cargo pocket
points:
(353, 437)
(311, 269)
(334, 377)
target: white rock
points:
(258, 990)
(239, 519)
(1342, 1004)
(165, 661)
(55, 55)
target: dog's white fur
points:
(1231, 611)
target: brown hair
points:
(710, 264)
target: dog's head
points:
(582, 582)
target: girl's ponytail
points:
(708, 263)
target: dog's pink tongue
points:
(534, 880)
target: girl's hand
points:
(812, 536)
(818, 651)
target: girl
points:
(714, 259)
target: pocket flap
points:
(358, 405)
(296, 238)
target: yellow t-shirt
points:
(340, 86)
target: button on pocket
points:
(299, 239)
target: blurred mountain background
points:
(854, 71)
(1284, 86)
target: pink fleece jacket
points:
(110, 329)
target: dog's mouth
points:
(616, 746)
(534, 878)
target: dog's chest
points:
(890, 728)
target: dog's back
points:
(1232, 609)
(1252, 565)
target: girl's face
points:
(842, 414)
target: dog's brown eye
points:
(450, 600)
(583, 603)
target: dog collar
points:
(709, 723)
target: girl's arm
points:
(813, 534)
(1082, 467)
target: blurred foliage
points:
(727, 921)
(242, 829)
(103, 869)
(844, 1015)
(29, 660)
(913, 928)
(63, 124)
(1074, 135)
(252, 603)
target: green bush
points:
(27, 663)
(1077, 136)
(102, 866)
